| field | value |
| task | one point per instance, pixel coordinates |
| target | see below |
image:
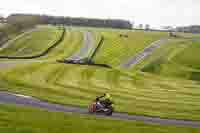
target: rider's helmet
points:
(107, 96)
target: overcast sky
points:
(154, 12)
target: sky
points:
(157, 13)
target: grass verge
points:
(22, 120)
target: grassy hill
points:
(72, 43)
(180, 61)
(116, 49)
(33, 43)
(142, 94)
(164, 84)
(8, 32)
(15, 120)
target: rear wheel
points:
(92, 108)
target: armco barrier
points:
(97, 48)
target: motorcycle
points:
(98, 107)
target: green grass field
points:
(180, 61)
(116, 49)
(10, 30)
(164, 84)
(33, 43)
(164, 50)
(189, 36)
(189, 56)
(142, 94)
(23, 120)
(96, 36)
(72, 43)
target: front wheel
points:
(109, 111)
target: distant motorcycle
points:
(98, 107)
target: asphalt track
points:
(21, 100)
(141, 55)
(86, 46)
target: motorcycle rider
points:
(106, 99)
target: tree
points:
(168, 28)
(1, 18)
(141, 26)
(23, 21)
(147, 27)
(133, 24)
(44, 19)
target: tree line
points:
(71, 21)
(17, 23)
(189, 29)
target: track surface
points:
(20, 100)
(87, 45)
(147, 51)
(7, 64)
